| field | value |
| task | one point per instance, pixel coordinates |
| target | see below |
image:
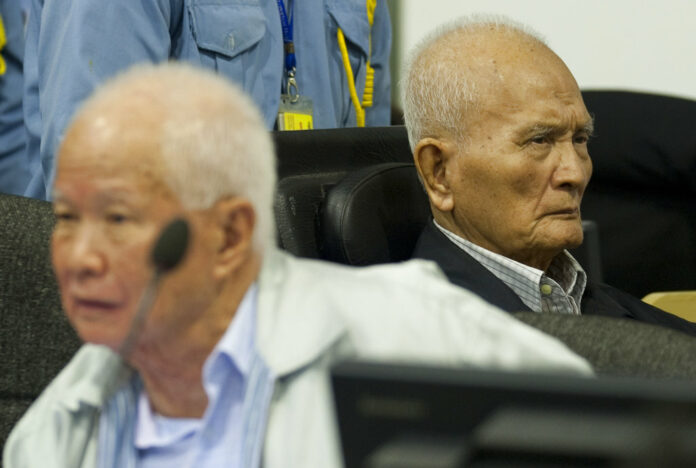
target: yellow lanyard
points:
(370, 73)
(3, 41)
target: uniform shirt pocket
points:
(351, 17)
(227, 27)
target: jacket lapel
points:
(464, 271)
(291, 333)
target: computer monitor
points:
(410, 416)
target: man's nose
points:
(86, 256)
(573, 169)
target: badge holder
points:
(295, 112)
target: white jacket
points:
(310, 315)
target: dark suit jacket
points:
(598, 299)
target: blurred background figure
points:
(499, 133)
(330, 57)
(14, 174)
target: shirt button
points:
(230, 41)
(546, 289)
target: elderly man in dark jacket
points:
(499, 134)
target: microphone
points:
(167, 253)
(170, 246)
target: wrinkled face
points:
(518, 181)
(110, 208)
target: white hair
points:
(437, 89)
(212, 139)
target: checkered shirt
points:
(557, 290)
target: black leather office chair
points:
(643, 189)
(311, 162)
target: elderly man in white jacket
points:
(230, 365)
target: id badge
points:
(295, 113)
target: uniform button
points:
(230, 41)
(546, 289)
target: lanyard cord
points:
(3, 41)
(368, 93)
(289, 48)
(288, 45)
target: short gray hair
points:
(437, 92)
(212, 139)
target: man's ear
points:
(433, 159)
(235, 218)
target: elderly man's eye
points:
(64, 216)
(116, 218)
(539, 139)
(581, 139)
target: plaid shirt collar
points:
(559, 289)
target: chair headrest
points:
(374, 215)
(644, 142)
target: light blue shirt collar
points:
(232, 355)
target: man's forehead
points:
(115, 160)
(547, 94)
(101, 189)
(107, 138)
(566, 108)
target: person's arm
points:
(74, 46)
(380, 112)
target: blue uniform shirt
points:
(73, 47)
(14, 173)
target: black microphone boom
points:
(167, 253)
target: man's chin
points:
(565, 235)
(92, 335)
(552, 246)
(573, 243)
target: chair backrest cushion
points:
(374, 215)
(621, 347)
(36, 340)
